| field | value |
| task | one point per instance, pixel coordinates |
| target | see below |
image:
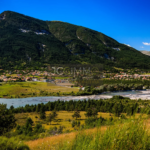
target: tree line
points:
(117, 104)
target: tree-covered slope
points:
(28, 41)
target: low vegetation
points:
(86, 121)
(12, 144)
(132, 135)
(33, 89)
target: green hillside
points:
(26, 41)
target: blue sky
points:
(127, 21)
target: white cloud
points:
(145, 43)
(141, 47)
(127, 45)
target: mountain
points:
(146, 52)
(26, 41)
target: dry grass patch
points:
(52, 143)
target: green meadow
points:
(33, 89)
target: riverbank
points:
(16, 102)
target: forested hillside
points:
(26, 41)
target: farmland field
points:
(33, 89)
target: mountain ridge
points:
(26, 41)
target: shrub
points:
(12, 144)
(38, 128)
(75, 123)
(55, 130)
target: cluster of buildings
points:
(26, 75)
(134, 76)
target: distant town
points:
(46, 76)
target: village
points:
(34, 76)
(46, 76)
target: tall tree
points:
(42, 113)
(7, 119)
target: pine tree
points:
(7, 119)
(42, 113)
(76, 114)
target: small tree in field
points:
(54, 113)
(91, 112)
(52, 116)
(76, 114)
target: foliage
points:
(7, 119)
(38, 128)
(91, 112)
(28, 129)
(55, 130)
(97, 122)
(116, 105)
(42, 113)
(132, 135)
(76, 114)
(51, 116)
(75, 123)
(65, 43)
(12, 144)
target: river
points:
(16, 102)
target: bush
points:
(38, 128)
(75, 123)
(12, 144)
(55, 130)
(93, 122)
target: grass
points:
(118, 68)
(12, 144)
(133, 135)
(62, 77)
(32, 89)
(74, 140)
(64, 118)
(53, 141)
(146, 74)
(61, 120)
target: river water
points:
(16, 102)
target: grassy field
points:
(146, 74)
(54, 142)
(99, 138)
(64, 118)
(32, 89)
(61, 120)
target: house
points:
(34, 79)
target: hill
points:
(146, 52)
(26, 41)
